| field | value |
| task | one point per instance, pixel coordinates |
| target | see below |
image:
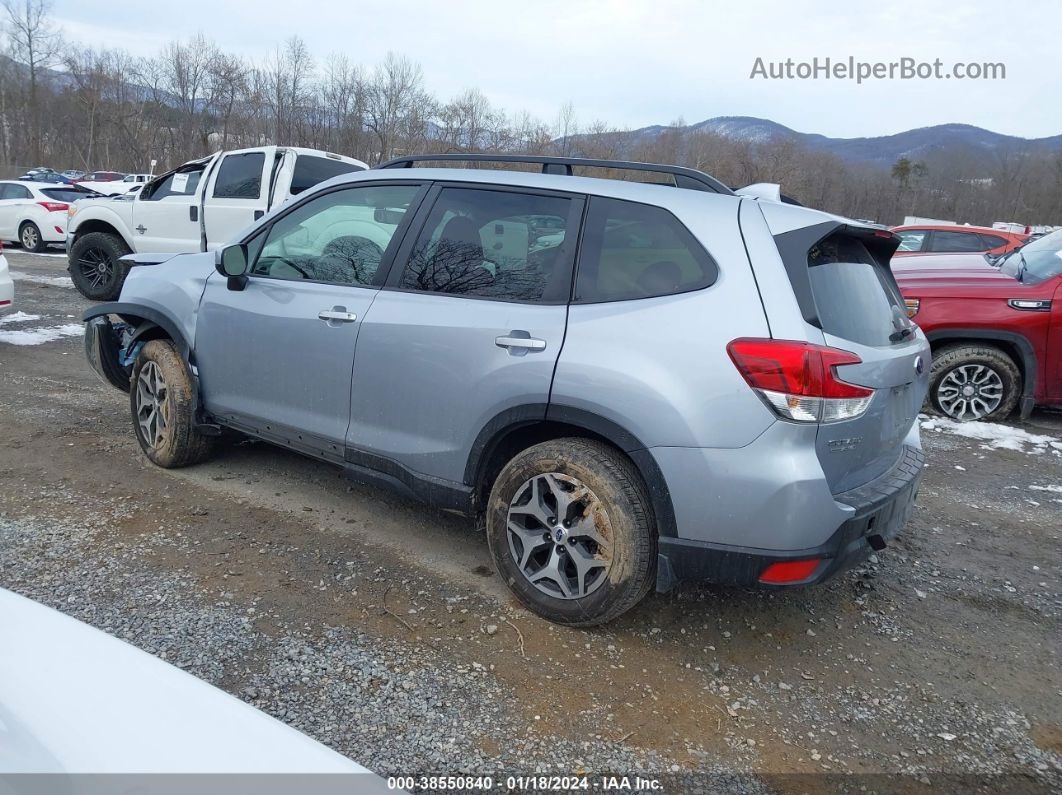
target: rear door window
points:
(16, 192)
(240, 176)
(505, 245)
(311, 170)
(633, 250)
(854, 297)
(956, 242)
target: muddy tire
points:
(571, 531)
(94, 265)
(30, 238)
(973, 382)
(161, 404)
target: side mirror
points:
(231, 262)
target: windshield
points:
(1036, 261)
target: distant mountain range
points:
(915, 144)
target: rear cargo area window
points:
(853, 294)
(633, 250)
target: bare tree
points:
(34, 42)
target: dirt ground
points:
(934, 667)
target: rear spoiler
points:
(766, 191)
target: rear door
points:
(470, 325)
(12, 199)
(237, 194)
(860, 310)
(275, 358)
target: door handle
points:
(526, 343)
(336, 316)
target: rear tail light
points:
(799, 380)
(911, 306)
(789, 571)
(55, 207)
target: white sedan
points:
(75, 700)
(7, 286)
(34, 214)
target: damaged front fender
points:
(103, 349)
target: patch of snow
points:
(51, 281)
(1054, 489)
(18, 317)
(39, 336)
(995, 436)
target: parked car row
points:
(109, 183)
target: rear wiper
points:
(901, 334)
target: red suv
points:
(996, 332)
(949, 239)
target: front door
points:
(276, 357)
(166, 211)
(469, 326)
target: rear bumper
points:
(880, 508)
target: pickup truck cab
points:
(199, 206)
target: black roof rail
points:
(684, 177)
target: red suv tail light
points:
(799, 380)
(54, 207)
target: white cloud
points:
(638, 62)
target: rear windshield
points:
(853, 294)
(67, 194)
(310, 171)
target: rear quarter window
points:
(633, 250)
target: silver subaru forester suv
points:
(628, 384)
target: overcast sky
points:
(639, 62)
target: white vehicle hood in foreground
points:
(75, 700)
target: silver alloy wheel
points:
(29, 236)
(970, 392)
(560, 536)
(152, 404)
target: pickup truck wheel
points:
(160, 399)
(94, 265)
(570, 529)
(30, 238)
(974, 382)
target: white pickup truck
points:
(199, 206)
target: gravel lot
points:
(377, 626)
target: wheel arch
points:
(518, 428)
(1011, 343)
(148, 323)
(90, 225)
